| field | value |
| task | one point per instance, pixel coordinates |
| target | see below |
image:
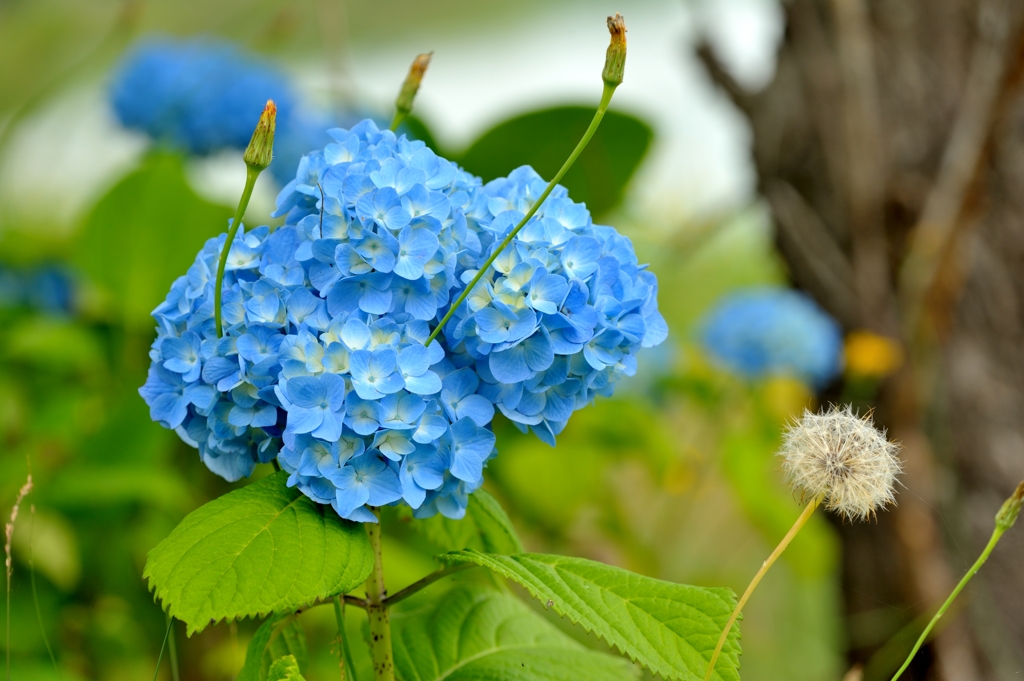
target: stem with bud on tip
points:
(403, 105)
(615, 63)
(1005, 519)
(257, 157)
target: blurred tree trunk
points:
(890, 148)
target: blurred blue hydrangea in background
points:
(203, 96)
(48, 288)
(198, 95)
(323, 364)
(769, 331)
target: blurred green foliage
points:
(144, 234)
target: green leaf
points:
(486, 527)
(478, 633)
(279, 636)
(285, 669)
(544, 139)
(669, 628)
(289, 641)
(144, 234)
(260, 549)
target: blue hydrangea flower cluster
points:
(323, 364)
(200, 96)
(774, 331)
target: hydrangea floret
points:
(323, 365)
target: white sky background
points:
(479, 76)
(700, 160)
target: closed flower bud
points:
(842, 458)
(412, 83)
(1007, 515)
(260, 151)
(615, 58)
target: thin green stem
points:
(602, 107)
(797, 526)
(377, 610)
(251, 173)
(348, 599)
(347, 669)
(160, 657)
(996, 534)
(425, 582)
(35, 595)
(7, 648)
(173, 651)
(397, 120)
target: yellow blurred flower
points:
(869, 355)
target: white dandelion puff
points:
(842, 458)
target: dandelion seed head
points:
(844, 458)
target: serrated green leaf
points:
(478, 633)
(261, 549)
(285, 669)
(671, 629)
(486, 527)
(144, 233)
(279, 636)
(544, 139)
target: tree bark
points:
(890, 148)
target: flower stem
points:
(347, 670)
(602, 107)
(996, 534)
(251, 173)
(377, 610)
(797, 526)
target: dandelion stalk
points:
(1005, 519)
(377, 610)
(615, 61)
(834, 458)
(257, 157)
(797, 526)
(403, 105)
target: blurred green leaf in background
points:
(144, 234)
(543, 139)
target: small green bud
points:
(260, 151)
(412, 83)
(1007, 515)
(615, 58)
